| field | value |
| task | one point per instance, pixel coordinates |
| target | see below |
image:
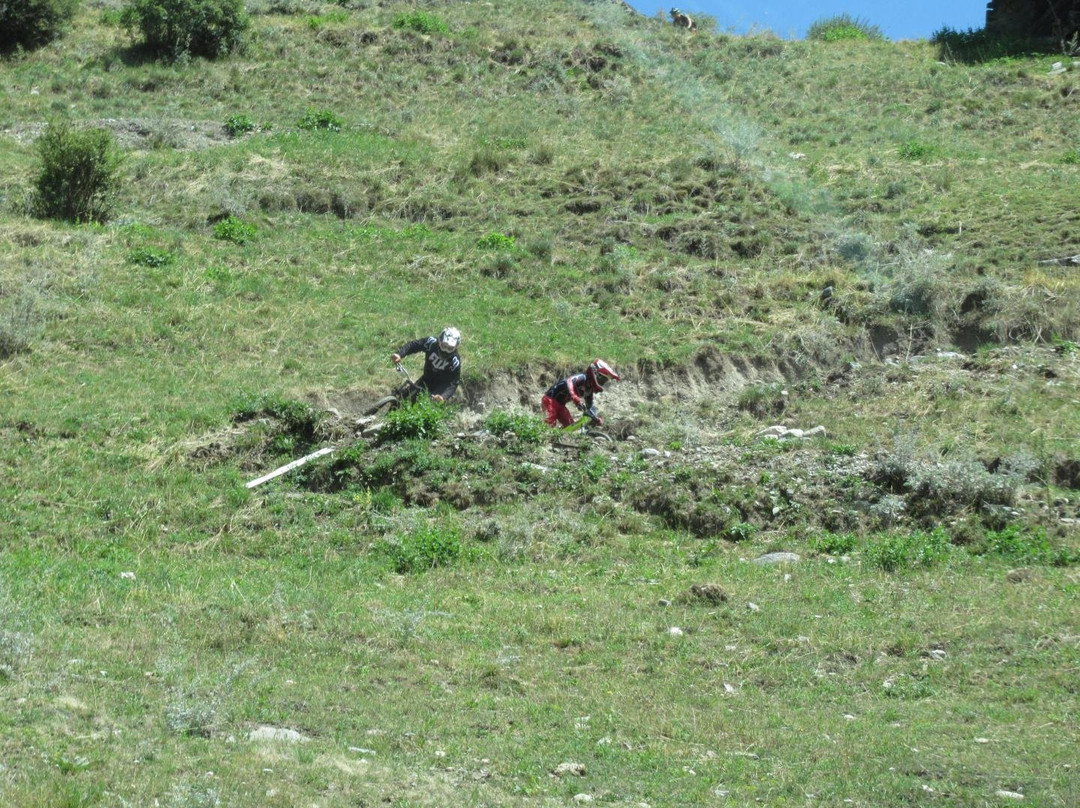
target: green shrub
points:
(420, 21)
(1071, 157)
(237, 125)
(739, 531)
(495, 241)
(428, 547)
(235, 230)
(1024, 544)
(914, 150)
(841, 27)
(78, 175)
(420, 419)
(33, 23)
(526, 428)
(833, 543)
(150, 257)
(324, 120)
(893, 552)
(177, 29)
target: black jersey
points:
(442, 372)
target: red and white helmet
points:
(599, 373)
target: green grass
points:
(448, 618)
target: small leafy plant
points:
(914, 150)
(237, 125)
(843, 27)
(526, 428)
(421, 22)
(322, 120)
(894, 552)
(495, 241)
(420, 419)
(234, 230)
(425, 548)
(150, 257)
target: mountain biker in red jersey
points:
(579, 388)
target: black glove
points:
(594, 415)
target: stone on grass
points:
(277, 734)
(778, 558)
(574, 769)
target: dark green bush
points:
(977, 45)
(78, 175)
(33, 23)
(176, 29)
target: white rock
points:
(774, 431)
(583, 798)
(277, 734)
(675, 631)
(778, 558)
(576, 769)
(753, 607)
(1008, 795)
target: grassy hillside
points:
(448, 619)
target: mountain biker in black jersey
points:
(442, 364)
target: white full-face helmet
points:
(449, 340)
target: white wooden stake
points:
(290, 466)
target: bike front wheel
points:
(382, 406)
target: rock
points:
(575, 769)
(675, 631)
(277, 734)
(817, 432)
(1008, 795)
(778, 558)
(583, 798)
(648, 454)
(772, 431)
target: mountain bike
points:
(587, 426)
(406, 391)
